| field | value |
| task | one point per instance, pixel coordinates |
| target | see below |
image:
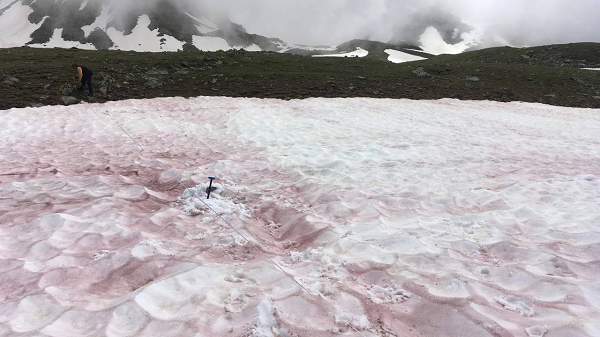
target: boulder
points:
(157, 72)
(69, 100)
(152, 82)
(473, 79)
(10, 80)
(420, 72)
(67, 89)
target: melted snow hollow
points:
(400, 218)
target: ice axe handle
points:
(209, 187)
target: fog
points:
(314, 22)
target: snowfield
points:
(396, 56)
(395, 217)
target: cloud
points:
(524, 22)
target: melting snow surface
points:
(483, 215)
(396, 56)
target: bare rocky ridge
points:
(170, 20)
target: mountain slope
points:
(168, 25)
(159, 25)
(376, 50)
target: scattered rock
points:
(152, 82)
(420, 72)
(526, 57)
(69, 100)
(185, 64)
(67, 89)
(10, 80)
(157, 72)
(361, 77)
(473, 79)
(35, 105)
(551, 96)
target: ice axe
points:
(210, 188)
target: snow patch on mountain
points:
(15, 31)
(210, 43)
(101, 22)
(83, 5)
(432, 42)
(143, 39)
(204, 25)
(359, 52)
(56, 41)
(397, 56)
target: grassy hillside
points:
(548, 75)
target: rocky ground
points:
(549, 74)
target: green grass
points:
(547, 75)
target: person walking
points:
(84, 76)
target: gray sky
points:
(312, 22)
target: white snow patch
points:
(433, 43)
(5, 3)
(101, 21)
(204, 25)
(196, 203)
(267, 324)
(513, 303)
(99, 255)
(210, 43)
(595, 69)
(252, 47)
(359, 52)
(84, 4)
(15, 28)
(389, 293)
(143, 39)
(537, 331)
(397, 56)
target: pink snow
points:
(400, 218)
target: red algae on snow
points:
(398, 218)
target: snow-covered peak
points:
(433, 43)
